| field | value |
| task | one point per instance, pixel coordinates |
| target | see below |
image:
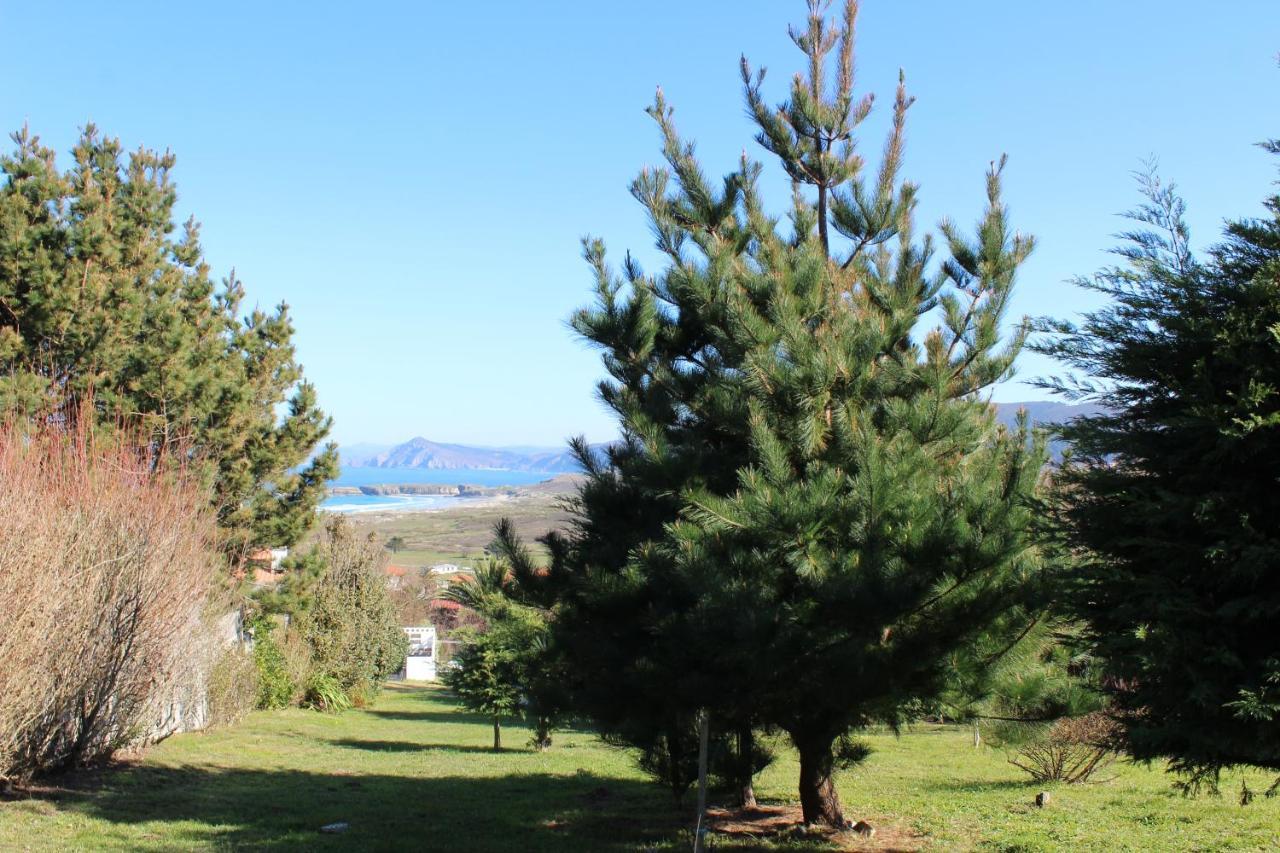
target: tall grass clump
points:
(106, 573)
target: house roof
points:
(444, 604)
(265, 576)
(397, 571)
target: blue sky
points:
(414, 178)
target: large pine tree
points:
(1171, 497)
(813, 510)
(101, 301)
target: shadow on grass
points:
(185, 807)
(460, 717)
(954, 786)
(413, 746)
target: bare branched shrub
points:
(105, 574)
(1071, 750)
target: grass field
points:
(460, 535)
(415, 772)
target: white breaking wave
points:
(355, 504)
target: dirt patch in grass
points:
(780, 823)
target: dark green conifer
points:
(813, 509)
(1170, 497)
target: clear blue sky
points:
(413, 178)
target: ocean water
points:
(352, 504)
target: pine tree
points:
(1170, 496)
(100, 300)
(812, 510)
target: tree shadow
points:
(977, 787)
(467, 718)
(414, 746)
(459, 717)
(184, 807)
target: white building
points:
(420, 665)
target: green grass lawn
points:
(415, 772)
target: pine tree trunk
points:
(818, 798)
(746, 752)
(497, 735)
(822, 217)
(542, 734)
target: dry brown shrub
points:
(1072, 750)
(232, 686)
(297, 660)
(105, 576)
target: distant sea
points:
(415, 503)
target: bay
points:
(354, 504)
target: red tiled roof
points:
(444, 604)
(397, 571)
(265, 576)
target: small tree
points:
(488, 672)
(1170, 496)
(502, 667)
(395, 544)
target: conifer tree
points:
(100, 299)
(813, 510)
(1170, 495)
(501, 668)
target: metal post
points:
(704, 734)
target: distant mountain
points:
(433, 455)
(438, 456)
(1042, 412)
(526, 449)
